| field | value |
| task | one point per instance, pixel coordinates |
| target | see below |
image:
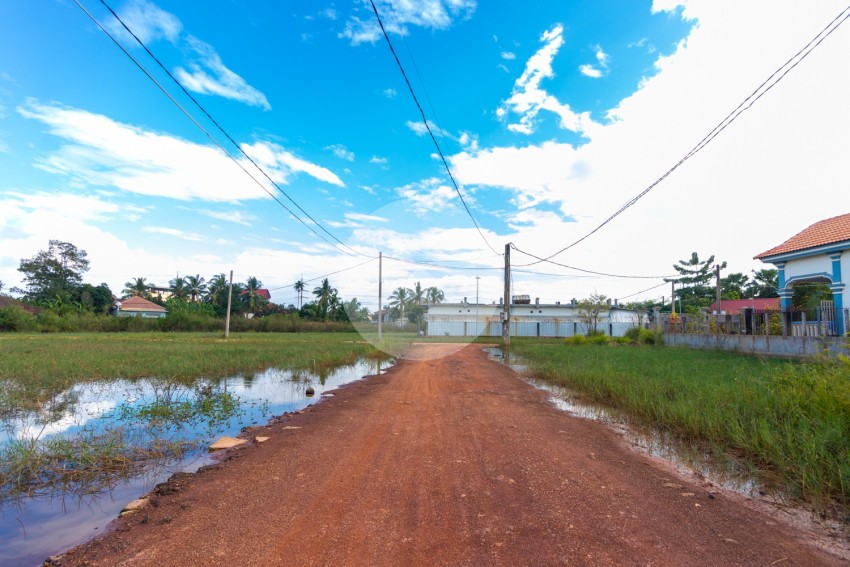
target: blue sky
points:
(551, 116)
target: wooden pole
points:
(380, 282)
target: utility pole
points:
(717, 270)
(380, 310)
(506, 324)
(229, 299)
(476, 303)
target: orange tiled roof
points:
(140, 304)
(829, 231)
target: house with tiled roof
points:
(818, 254)
(734, 306)
(139, 307)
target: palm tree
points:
(323, 294)
(299, 289)
(418, 294)
(434, 295)
(138, 287)
(178, 288)
(216, 288)
(195, 286)
(250, 295)
(355, 310)
(399, 299)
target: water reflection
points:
(722, 471)
(71, 463)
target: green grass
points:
(790, 419)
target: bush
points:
(577, 340)
(639, 335)
(16, 319)
(599, 339)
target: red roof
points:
(141, 304)
(829, 231)
(264, 293)
(734, 306)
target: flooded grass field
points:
(88, 423)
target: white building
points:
(527, 320)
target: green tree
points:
(695, 289)
(195, 287)
(434, 295)
(97, 299)
(590, 310)
(418, 294)
(179, 290)
(399, 299)
(734, 286)
(137, 287)
(217, 293)
(54, 273)
(323, 294)
(299, 289)
(250, 294)
(765, 283)
(642, 309)
(355, 311)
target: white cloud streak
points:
(529, 98)
(397, 18)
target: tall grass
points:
(787, 418)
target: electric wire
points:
(745, 105)
(325, 275)
(220, 128)
(440, 266)
(642, 291)
(582, 269)
(428, 127)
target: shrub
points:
(14, 318)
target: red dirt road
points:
(453, 461)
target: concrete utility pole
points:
(229, 299)
(506, 324)
(380, 312)
(717, 270)
(476, 302)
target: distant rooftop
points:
(829, 231)
(140, 304)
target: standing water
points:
(70, 465)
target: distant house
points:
(818, 254)
(139, 307)
(734, 306)
(162, 293)
(264, 293)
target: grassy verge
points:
(791, 419)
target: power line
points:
(221, 129)
(440, 266)
(745, 105)
(582, 269)
(325, 275)
(428, 127)
(642, 291)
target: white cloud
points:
(602, 58)
(208, 75)
(428, 14)
(529, 98)
(751, 170)
(101, 152)
(147, 21)
(341, 152)
(507, 55)
(378, 160)
(590, 71)
(389, 93)
(238, 217)
(365, 218)
(427, 196)
(281, 164)
(175, 232)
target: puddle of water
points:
(730, 475)
(170, 425)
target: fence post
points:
(805, 325)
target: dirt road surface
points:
(443, 461)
